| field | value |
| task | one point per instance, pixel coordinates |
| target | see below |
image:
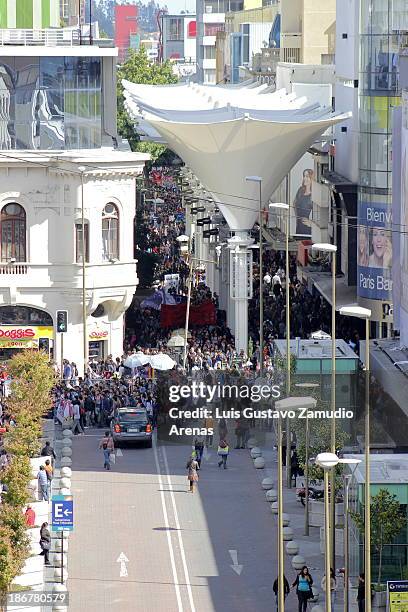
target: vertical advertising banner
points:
(301, 179)
(403, 237)
(374, 251)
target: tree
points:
(33, 380)
(138, 69)
(387, 521)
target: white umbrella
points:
(320, 335)
(137, 360)
(162, 361)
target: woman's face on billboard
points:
(379, 242)
(362, 238)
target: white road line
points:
(166, 522)
(180, 539)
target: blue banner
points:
(374, 251)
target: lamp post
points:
(328, 461)
(365, 313)
(307, 442)
(258, 180)
(286, 404)
(283, 206)
(347, 480)
(331, 248)
(82, 170)
(185, 243)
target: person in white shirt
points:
(77, 419)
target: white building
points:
(60, 129)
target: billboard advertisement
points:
(301, 180)
(374, 251)
(403, 235)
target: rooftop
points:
(384, 468)
(316, 349)
(14, 42)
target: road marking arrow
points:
(122, 559)
(234, 556)
(119, 453)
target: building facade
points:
(126, 26)
(63, 165)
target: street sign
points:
(397, 595)
(62, 513)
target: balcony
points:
(68, 276)
(48, 37)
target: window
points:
(209, 52)
(110, 232)
(78, 241)
(176, 29)
(13, 233)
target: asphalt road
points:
(143, 543)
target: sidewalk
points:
(309, 546)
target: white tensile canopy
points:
(227, 133)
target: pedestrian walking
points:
(48, 451)
(209, 425)
(42, 480)
(333, 587)
(45, 543)
(77, 419)
(223, 451)
(199, 449)
(49, 472)
(303, 584)
(192, 474)
(361, 592)
(286, 590)
(108, 447)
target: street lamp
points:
(365, 313)
(184, 242)
(307, 442)
(328, 461)
(283, 206)
(347, 480)
(331, 248)
(286, 404)
(258, 180)
(82, 170)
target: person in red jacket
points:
(30, 517)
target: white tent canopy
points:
(241, 130)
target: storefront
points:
(23, 327)
(98, 338)
(15, 337)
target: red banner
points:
(175, 316)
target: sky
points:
(175, 6)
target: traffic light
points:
(62, 321)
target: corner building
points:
(60, 160)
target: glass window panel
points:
(13, 233)
(78, 242)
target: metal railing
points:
(49, 37)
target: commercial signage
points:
(397, 595)
(374, 251)
(19, 336)
(98, 333)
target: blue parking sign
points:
(62, 516)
